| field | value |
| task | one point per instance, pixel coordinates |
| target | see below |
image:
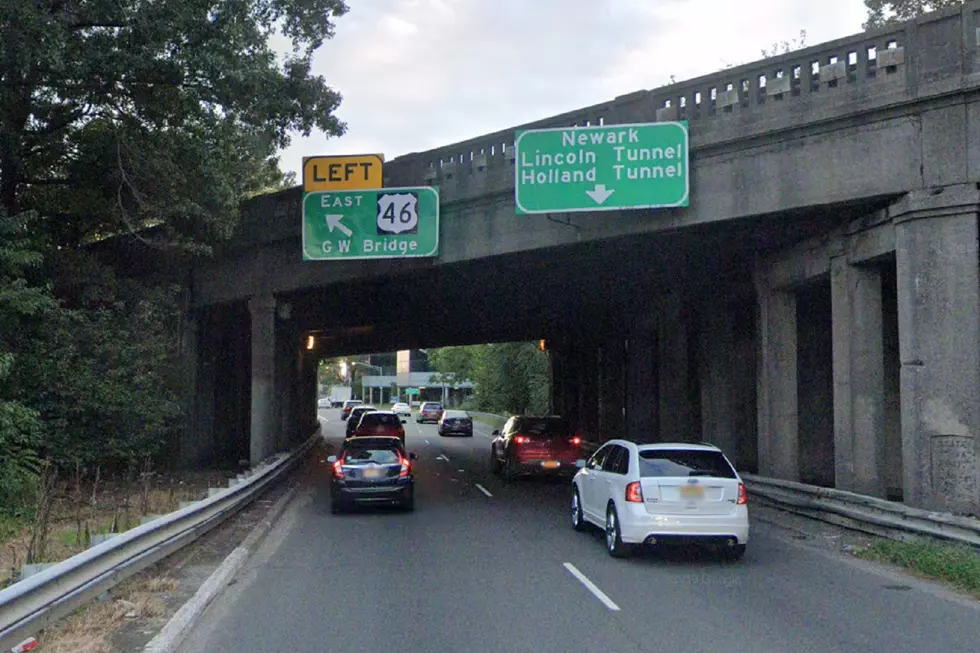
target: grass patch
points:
(491, 420)
(958, 565)
(90, 629)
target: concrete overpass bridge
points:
(815, 311)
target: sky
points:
(420, 74)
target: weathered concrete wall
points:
(939, 338)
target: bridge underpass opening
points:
(727, 334)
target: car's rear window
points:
(369, 454)
(455, 414)
(684, 462)
(433, 407)
(375, 419)
(545, 427)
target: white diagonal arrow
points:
(600, 194)
(333, 222)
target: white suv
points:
(661, 493)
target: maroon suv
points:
(429, 411)
(535, 445)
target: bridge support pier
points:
(677, 417)
(778, 419)
(718, 378)
(677, 414)
(859, 377)
(264, 423)
(939, 341)
(612, 388)
(641, 383)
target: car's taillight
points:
(338, 469)
(743, 497)
(634, 493)
(522, 439)
(576, 440)
(406, 467)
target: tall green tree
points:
(510, 377)
(889, 12)
(21, 303)
(119, 114)
(100, 367)
(453, 364)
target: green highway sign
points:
(602, 168)
(411, 391)
(360, 224)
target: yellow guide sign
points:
(353, 172)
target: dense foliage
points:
(116, 116)
(510, 377)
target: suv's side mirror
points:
(404, 421)
(413, 456)
(580, 463)
(496, 432)
(332, 459)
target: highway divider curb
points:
(176, 630)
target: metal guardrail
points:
(863, 513)
(34, 603)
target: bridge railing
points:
(931, 55)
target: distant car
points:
(348, 406)
(378, 423)
(661, 494)
(355, 418)
(323, 402)
(372, 471)
(535, 445)
(456, 422)
(429, 411)
(402, 408)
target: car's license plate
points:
(550, 464)
(692, 491)
(372, 473)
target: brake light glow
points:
(634, 493)
(522, 439)
(743, 497)
(406, 467)
(338, 470)
(576, 440)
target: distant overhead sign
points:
(602, 168)
(378, 223)
(326, 173)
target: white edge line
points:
(484, 490)
(180, 624)
(589, 585)
(427, 442)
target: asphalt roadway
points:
(486, 566)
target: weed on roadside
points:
(957, 565)
(90, 629)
